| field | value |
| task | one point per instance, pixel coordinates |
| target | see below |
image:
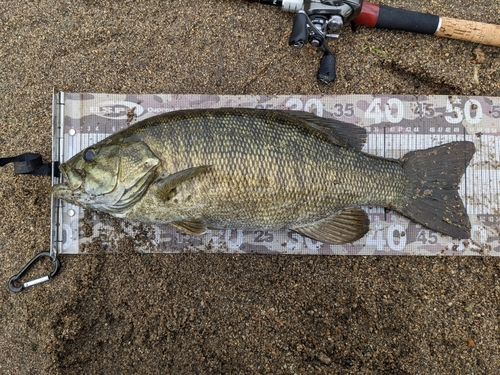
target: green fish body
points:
(263, 170)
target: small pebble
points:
(479, 55)
(470, 342)
(323, 358)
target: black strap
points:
(31, 163)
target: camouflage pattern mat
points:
(395, 125)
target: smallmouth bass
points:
(256, 169)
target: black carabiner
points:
(27, 284)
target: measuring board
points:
(394, 124)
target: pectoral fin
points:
(195, 226)
(347, 226)
(167, 186)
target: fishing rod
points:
(319, 20)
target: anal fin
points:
(195, 226)
(346, 226)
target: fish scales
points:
(266, 169)
(261, 170)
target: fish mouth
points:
(61, 191)
(115, 201)
(72, 178)
(71, 181)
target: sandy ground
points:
(186, 314)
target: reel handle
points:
(326, 71)
(299, 34)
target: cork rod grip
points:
(477, 32)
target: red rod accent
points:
(368, 15)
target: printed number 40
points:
(396, 238)
(393, 111)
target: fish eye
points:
(89, 154)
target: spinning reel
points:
(315, 22)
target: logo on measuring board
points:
(117, 110)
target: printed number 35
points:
(343, 110)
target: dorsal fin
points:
(338, 132)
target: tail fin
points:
(432, 197)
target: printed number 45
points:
(431, 238)
(425, 110)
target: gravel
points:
(200, 313)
